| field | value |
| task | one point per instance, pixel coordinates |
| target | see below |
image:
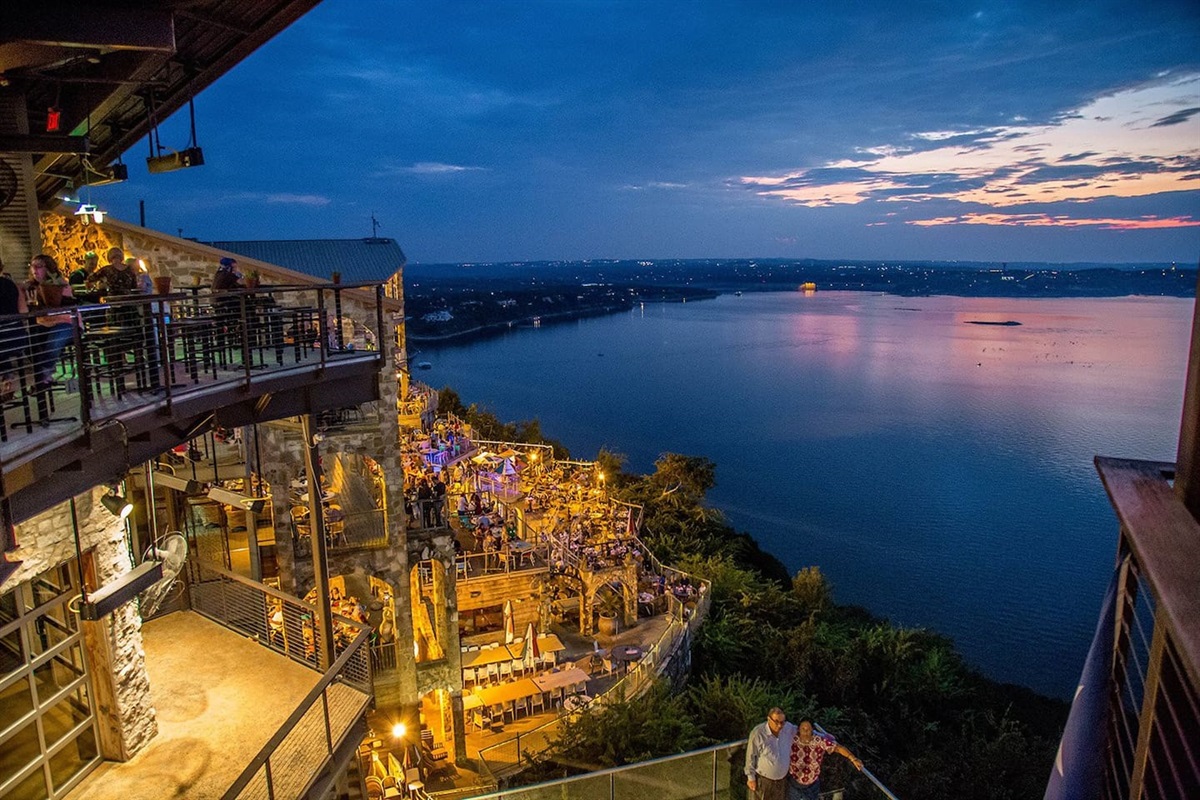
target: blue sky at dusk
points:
(564, 130)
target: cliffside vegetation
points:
(924, 722)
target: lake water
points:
(939, 472)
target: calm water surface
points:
(939, 472)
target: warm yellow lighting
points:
(601, 476)
(533, 456)
(398, 730)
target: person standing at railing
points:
(768, 754)
(13, 338)
(808, 752)
(51, 333)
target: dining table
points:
(570, 679)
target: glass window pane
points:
(12, 653)
(54, 626)
(66, 763)
(32, 788)
(58, 672)
(50, 584)
(19, 751)
(8, 606)
(65, 715)
(15, 702)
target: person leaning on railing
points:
(808, 752)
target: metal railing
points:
(85, 364)
(304, 746)
(276, 620)
(474, 566)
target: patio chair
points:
(521, 707)
(556, 697)
(510, 711)
(493, 673)
(537, 703)
(506, 670)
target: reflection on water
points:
(938, 471)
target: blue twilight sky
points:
(1007, 131)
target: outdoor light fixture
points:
(116, 505)
(180, 159)
(53, 119)
(89, 213)
(398, 730)
(173, 481)
(231, 498)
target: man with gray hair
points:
(768, 753)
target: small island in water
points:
(1005, 323)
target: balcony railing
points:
(1147, 738)
(73, 367)
(715, 772)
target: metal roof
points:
(370, 259)
(112, 67)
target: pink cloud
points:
(1059, 221)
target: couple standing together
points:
(784, 760)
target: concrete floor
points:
(219, 698)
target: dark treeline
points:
(924, 722)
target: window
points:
(47, 724)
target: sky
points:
(576, 129)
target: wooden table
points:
(490, 655)
(561, 680)
(506, 692)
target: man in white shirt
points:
(768, 754)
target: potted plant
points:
(337, 277)
(610, 606)
(252, 279)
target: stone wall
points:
(121, 687)
(191, 263)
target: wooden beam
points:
(42, 143)
(88, 25)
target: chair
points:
(510, 710)
(506, 670)
(493, 673)
(470, 676)
(374, 788)
(537, 703)
(521, 706)
(556, 697)
(460, 568)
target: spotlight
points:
(116, 505)
(398, 730)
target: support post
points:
(1187, 460)
(324, 621)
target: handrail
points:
(265, 753)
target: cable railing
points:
(1144, 722)
(80, 365)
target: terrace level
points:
(143, 375)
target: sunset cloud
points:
(1058, 221)
(1118, 145)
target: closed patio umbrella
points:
(509, 633)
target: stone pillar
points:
(121, 687)
(116, 660)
